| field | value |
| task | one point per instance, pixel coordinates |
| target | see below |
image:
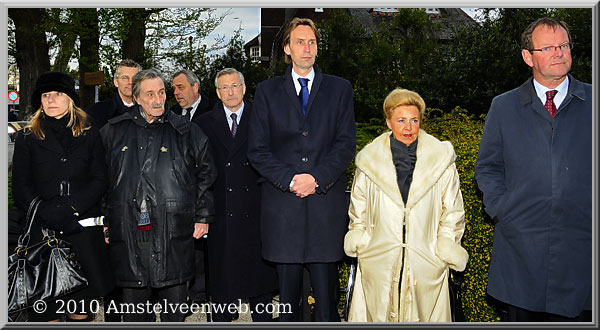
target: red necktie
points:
(550, 106)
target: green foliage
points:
(234, 57)
(464, 131)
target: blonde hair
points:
(400, 96)
(78, 121)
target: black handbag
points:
(455, 280)
(44, 271)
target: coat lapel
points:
(433, 157)
(242, 133)
(314, 88)
(221, 127)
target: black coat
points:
(204, 106)
(169, 163)
(102, 111)
(39, 166)
(236, 267)
(283, 142)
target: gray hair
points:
(143, 75)
(227, 71)
(126, 63)
(189, 75)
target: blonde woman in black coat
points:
(60, 158)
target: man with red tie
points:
(535, 171)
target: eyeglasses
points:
(125, 78)
(566, 47)
(225, 88)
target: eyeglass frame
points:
(125, 78)
(552, 49)
(226, 88)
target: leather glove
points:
(56, 214)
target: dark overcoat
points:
(102, 111)
(535, 173)
(236, 267)
(284, 142)
(39, 166)
(167, 162)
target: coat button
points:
(134, 199)
(228, 164)
(229, 189)
(305, 133)
(63, 160)
(305, 159)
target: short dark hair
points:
(294, 24)
(126, 63)
(143, 75)
(527, 35)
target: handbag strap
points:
(23, 241)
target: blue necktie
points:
(304, 93)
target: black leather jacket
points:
(169, 164)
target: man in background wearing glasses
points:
(122, 101)
(535, 171)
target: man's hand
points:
(303, 185)
(200, 229)
(106, 235)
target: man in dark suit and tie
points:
(236, 267)
(190, 103)
(302, 137)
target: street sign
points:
(13, 96)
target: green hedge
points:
(464, 132)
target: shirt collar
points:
(229, 112)
(310, 76)
(562, 89)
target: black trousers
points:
(517, 314)
(324, 283)
(174, 295)
(197, 286)
(257, 308)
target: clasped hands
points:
(303, 185)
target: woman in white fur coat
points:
(406, 220)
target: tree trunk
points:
(89, 43)
(32, 53)
(133, 43)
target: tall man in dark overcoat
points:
(535, 171)
(236, 267)
(302, 137)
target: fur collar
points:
(433, 158)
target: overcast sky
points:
(249, 20)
